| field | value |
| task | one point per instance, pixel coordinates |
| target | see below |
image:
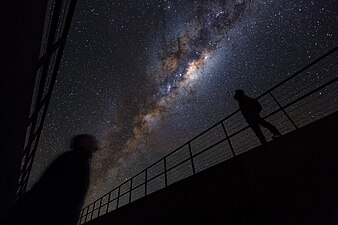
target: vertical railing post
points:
(229, 142)
(145, 181)
(287, 115)
(108, 202)
(82, 212)
(165, 172)
(87, 213)
(130, 189)
(98, 213)
(118, 197)
(191, 159)
(92, 212)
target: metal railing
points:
(308, 95)
(57, 24)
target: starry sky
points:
(146, 76)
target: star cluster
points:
(146, 76)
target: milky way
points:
(181, 62)
(146, 76)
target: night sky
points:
(145, 76)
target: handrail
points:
(49, 64)
(300, 71)
(285, 110)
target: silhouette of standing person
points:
(58, 195)
(250, 109)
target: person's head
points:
(239, 94)
(84, 141)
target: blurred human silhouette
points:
(58, 195)
(250, 109)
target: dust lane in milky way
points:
(146, 76)
(180, 65)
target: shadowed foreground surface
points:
(292, 180)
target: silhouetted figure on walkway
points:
(58, 195)
(250, 109)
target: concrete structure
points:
(292, 180)
(22, 24)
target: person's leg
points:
(269, 126)
(257, 130)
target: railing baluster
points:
(145, 181)
(118, 197)
(130, 189)
(191, 159)
(227, 136)
(82, 212)
(87, 213)
(98, 213)
(279, 105)
(92, 212)
(108, 202)
(165, 172)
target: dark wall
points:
(21, 25)
(292, 180)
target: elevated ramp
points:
(291, 180)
